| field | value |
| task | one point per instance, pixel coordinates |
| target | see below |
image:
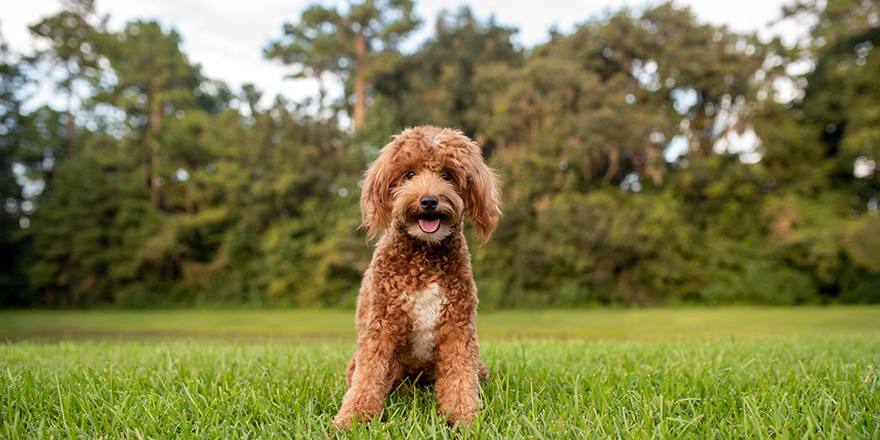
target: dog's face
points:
(428, 203)
(429, 179)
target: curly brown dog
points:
(417, 306)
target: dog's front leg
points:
(458, 357)
(377, 366)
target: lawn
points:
(665, 373)
(335, 324)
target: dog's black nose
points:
(429, 202)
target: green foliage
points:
(12, 126)
(838, 109)
(599, 247)
(622, 183)
(73, 37)
(75, 237)
(760, 282)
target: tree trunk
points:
(613, 165)
(70, 125)
(322, 93)
(145, 157)
(153, 146)
(653, 164)
(360, 82)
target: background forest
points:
(646, 159)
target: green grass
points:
(784, 373)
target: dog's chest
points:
(424, 307)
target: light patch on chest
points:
(426, 306)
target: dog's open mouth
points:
(429, 223)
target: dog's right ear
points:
(376, 193)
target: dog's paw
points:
(347, 419)
(342, 423)
(345, 422)
(463, 419)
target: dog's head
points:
(430, 179)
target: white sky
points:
(227, 36)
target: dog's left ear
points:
(484, 198)
(376, 193)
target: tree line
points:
(646, 158)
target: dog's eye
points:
(410, 175)
(447, 176)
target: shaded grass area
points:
(784, 386)
(591, 323)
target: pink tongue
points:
(429, 226)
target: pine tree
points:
(155, 80)
(358, 45)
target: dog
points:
(417, 305)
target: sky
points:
(227, 37)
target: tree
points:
(823, 146)
(12, 126)
(72, 36)
(357, 45)
(155, 80)
(839, 100)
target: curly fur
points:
(417, 306)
